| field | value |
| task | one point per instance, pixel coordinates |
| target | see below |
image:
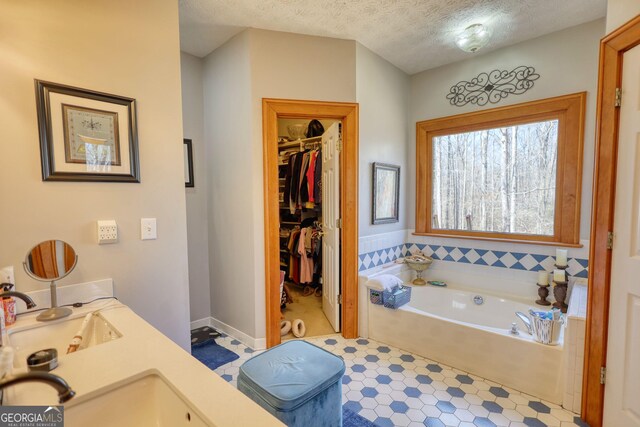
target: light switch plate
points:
(148, 229)
(107, 232)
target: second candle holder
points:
(560, 288)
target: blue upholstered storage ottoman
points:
(297, 382)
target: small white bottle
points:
(6, 361)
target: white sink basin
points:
(146, 401)
(58, 334)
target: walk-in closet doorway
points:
(340, 212)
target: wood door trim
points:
(612, 49)
(348, 114)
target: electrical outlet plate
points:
(148, 229)
(107, 232)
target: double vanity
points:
(125, 373)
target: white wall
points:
(621, 11)
(114, 46)
(567, 62)
(196, 197)
(231, 182)
(382, 90)
(296, 66)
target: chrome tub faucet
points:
(525, 319)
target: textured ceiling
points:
(414, 35)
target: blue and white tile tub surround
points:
(512, 256)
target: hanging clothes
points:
(307, 239)
(287, 180)
(303, 193)
(302, 180)
(316, 251)
(284, 155)
(294, 260)
(311, 178)
(317, 181)
(306, 262)
(295, 182)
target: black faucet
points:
(6, 292)
(64, 391)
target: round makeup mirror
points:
(49, 261)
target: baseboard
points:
(253, 343)
(260, 344)
(200, 323)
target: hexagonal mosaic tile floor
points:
(391, 387)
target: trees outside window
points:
(507, 173)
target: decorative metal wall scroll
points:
(492, 87)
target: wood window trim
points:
(569, 109)
(348, 114)
(612, 49)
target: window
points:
(509, 173)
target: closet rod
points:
(298, 142)
(311, 144)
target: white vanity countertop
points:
(141, 350)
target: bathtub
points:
(445, 325)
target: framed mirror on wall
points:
(385, 193)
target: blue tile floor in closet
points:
(390, 387)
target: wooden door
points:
(622, 389)
(331, 140)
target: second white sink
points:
(146, 401)
(58, 334)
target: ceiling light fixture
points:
(473, 38)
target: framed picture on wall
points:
(188, 163)
(386, 193)
(86, 135)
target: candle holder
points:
(543, 293)
(560, 290)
